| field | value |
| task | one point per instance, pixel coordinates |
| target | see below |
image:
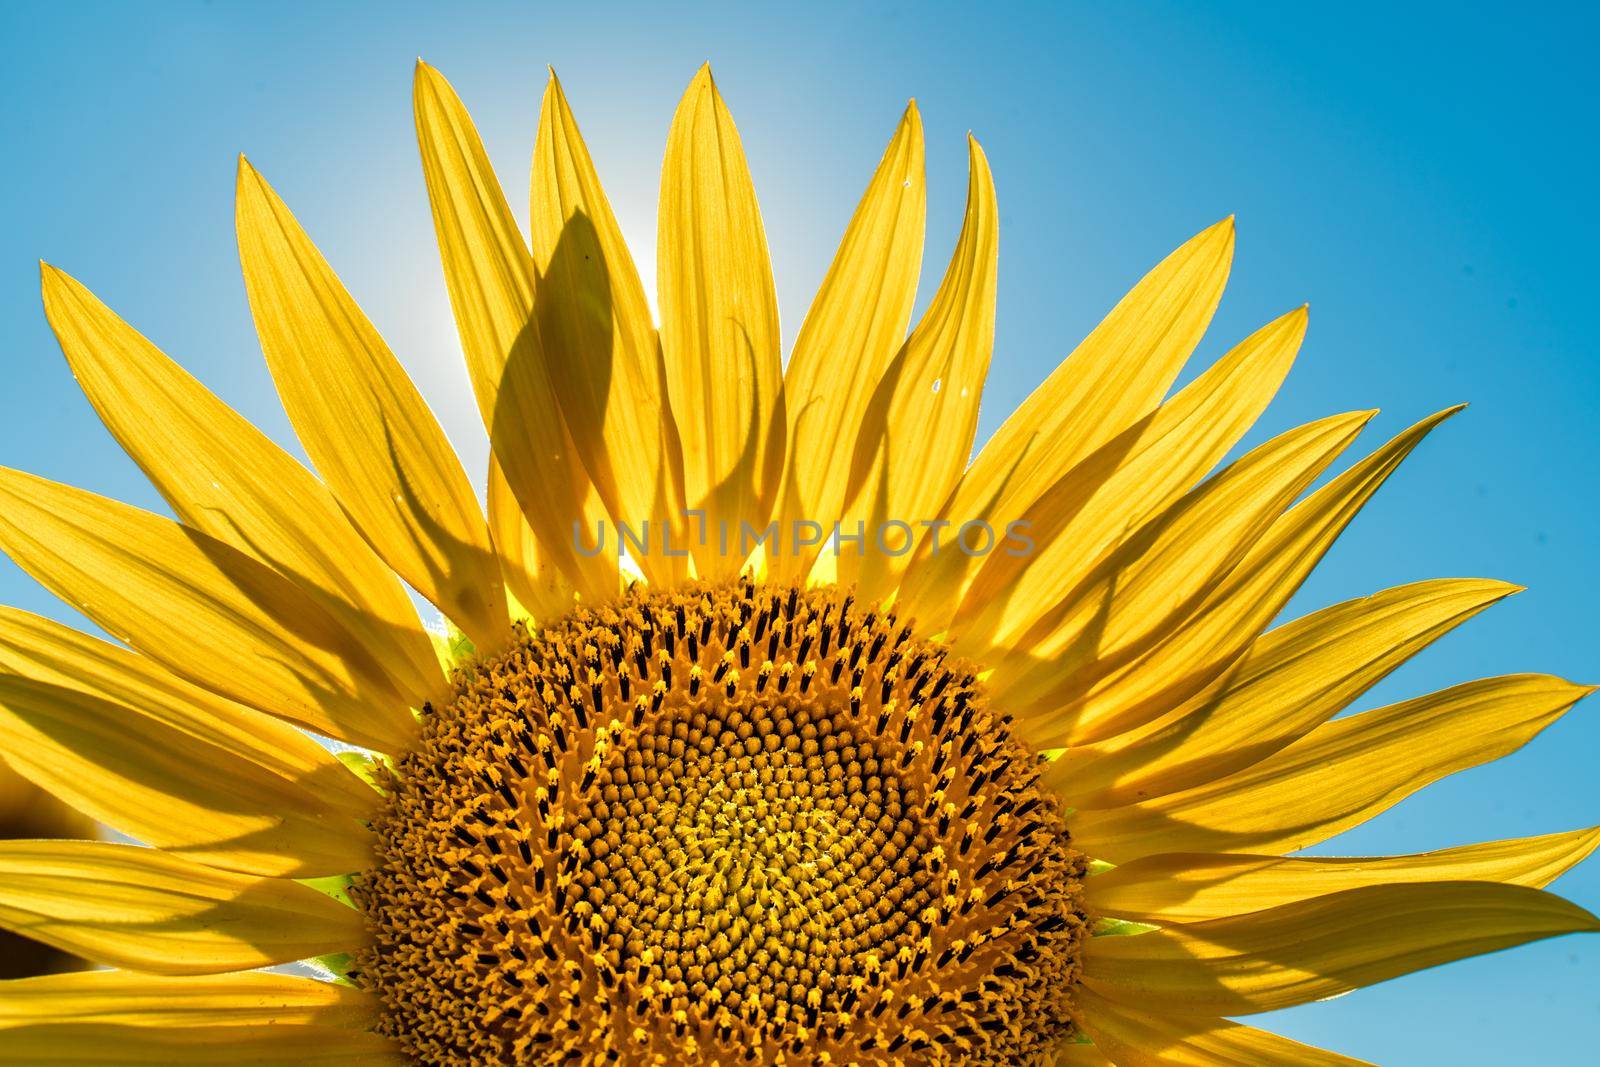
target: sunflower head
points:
(765, 723)
(722, 820)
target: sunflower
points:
(761, 726)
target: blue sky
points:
(1423, 177)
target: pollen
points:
(722, 824)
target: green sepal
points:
(1120, 928)
(334, 967)
(336, 886)
(364, 765)
(453, 647)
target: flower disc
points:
(724, 823)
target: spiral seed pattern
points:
(722, 824)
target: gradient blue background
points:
(1424, 178)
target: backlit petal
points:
(223, 477)
(537, 585)
(1319, 948)
(599, 342)
(1290, 681)
(1128, 481)
(127, 998)
(1150, 585)
(1337, 776)
(363, 423)
(144, 910)
(854, 328)
(1237, 610)
(138, 749)
(1195, 887)
(719, 325)
(923, 415)
(203, 609)
(1113, 379)
(489, 271)
(1133, 1038)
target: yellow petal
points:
(1135, 1039)
(489, 272)
(170, 764)
(1337, 776)
(1112, 380)
(361, 420)
(253, 1045)
(1290, 681)
(602, 350)
(1078, 1054)
(144, 910)
(1153, 582)
(854, 328)
(719, 325)
(1240, 607)
(1322, 947)
(129, 999)
(533, 581)
(224, 478)
(919, 424)
(206, 611)
(1195, 887)
(1128, 481)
